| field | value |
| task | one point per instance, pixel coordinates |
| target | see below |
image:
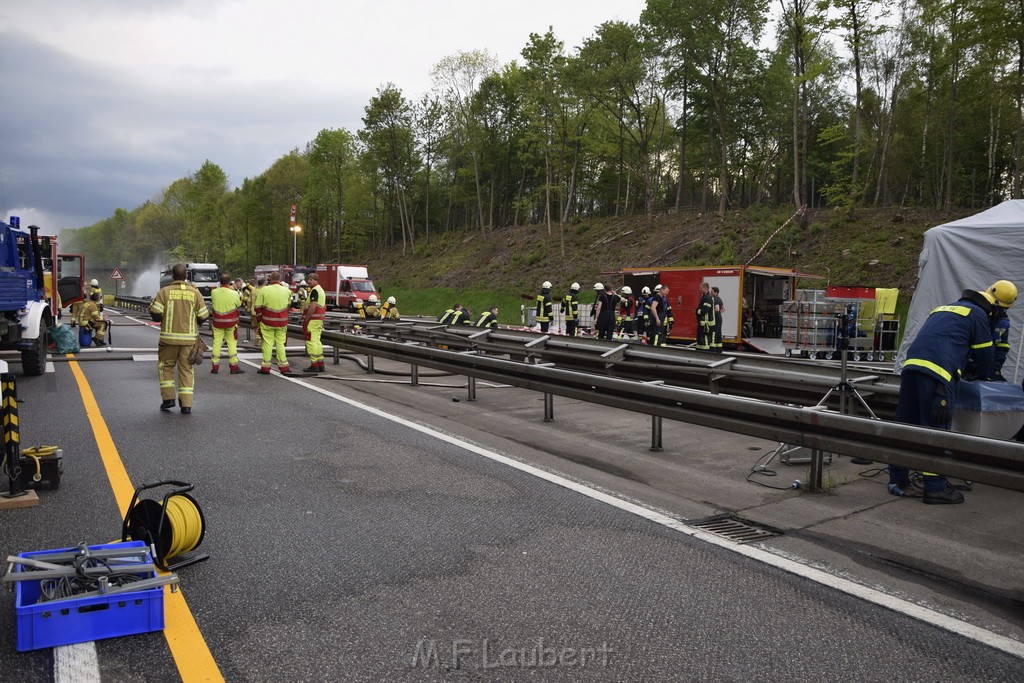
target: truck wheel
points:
(33, 361)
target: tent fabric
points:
(971, 253)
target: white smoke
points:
(147, 283)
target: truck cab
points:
(205, 277)
(344, 285)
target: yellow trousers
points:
(274, 339)
(221, 335)
(169, 358)
(314, 348)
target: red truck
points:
(752, 297)
(344, 284)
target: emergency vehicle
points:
(204, 276)
(752, 298)
(345, 284)
(291, 276)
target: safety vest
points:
(544, 306)
(317, 301)
(178, 305)
(571, 306)
(272, 305)
(225, 302)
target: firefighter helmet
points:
(645, 290)
(657, 287)
(1003, 293)
(575, 287)
(626, 290)
(546, 285)
(391, 300)
(373, 299)
(94, 283)
(598, 285)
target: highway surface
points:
(349, 545)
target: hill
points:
(871, 248)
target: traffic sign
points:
(116, 275)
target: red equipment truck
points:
(752, 297)
(344, 284)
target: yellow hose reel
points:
(172, 525)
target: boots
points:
(285, 370)
(214, 369)
(235, 370)
(167, 405)
(265, 370)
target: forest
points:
(708, 106)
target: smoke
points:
(147, 283)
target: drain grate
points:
(733, 529)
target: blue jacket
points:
(950, 335)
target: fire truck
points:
(752, 298)
(345, 284)
(291, 276)
(29, 302)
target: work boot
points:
(286, 371)
(947, 497)
(186, 410)
(167, 405)
(214, 369)
(264, 370)
(235, 370)
(312, 368)
(320, 367)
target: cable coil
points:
(172, 526)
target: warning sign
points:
(116, 275)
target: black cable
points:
(765, 472)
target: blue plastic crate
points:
(80, 620)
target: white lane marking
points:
(49, 366)
(76, 663)
(899, 605)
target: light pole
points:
(296, 229)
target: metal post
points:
(817, 466)
(337, 355)
(12, 435)
(655, 433)
(369, 365)
(471, 389)
(414, 375)
(549, 408)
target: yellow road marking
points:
(188, 647)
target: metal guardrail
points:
(594, 371)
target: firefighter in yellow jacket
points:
(313, 323)
(225, 302)
(271, 308)
(89, 316)
(180, 309)
(389, 311)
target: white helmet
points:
(94, 283)
(626, 290)
(657, 287)
(373, 299)
(575, 287)
(598, 285)
(645, 290)
(546, 285)
(391, 300)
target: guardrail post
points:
(817, 466)
(414, 375)
(656, 433)
(337, 355)
(471, 389)
(549, 408)
(12, 435)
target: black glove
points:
(942, 411)
(997, 376)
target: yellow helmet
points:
(1002, 293)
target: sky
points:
(104, 103)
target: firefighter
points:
(450, 316)
(89, 315)
(94, 288)
(300, 295)
(225, 302)
(543, 309)
(244, 294)
(180, 309)
(607, 305)
(271, 307)
(931, 374)
(705, 313)
(489, 319)
(389, 311)
(371, 311)
(719, 308)
(464, 317)
(643, 303)
(571, 309)
(669, 319)
(627, 311)
(313, 323)
(656, 318)
(261, 282)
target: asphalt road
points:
(346, 546)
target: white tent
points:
(972, 253)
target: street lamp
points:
(296, 229)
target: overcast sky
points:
(103, 103)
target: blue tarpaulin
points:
(989, 397)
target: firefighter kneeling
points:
(89, 314)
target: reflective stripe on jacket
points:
(317, 302)
(179, 304)
(272, 304)
(949, 336)
(225, 302)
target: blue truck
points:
(34, 283)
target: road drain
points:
(733, 529)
